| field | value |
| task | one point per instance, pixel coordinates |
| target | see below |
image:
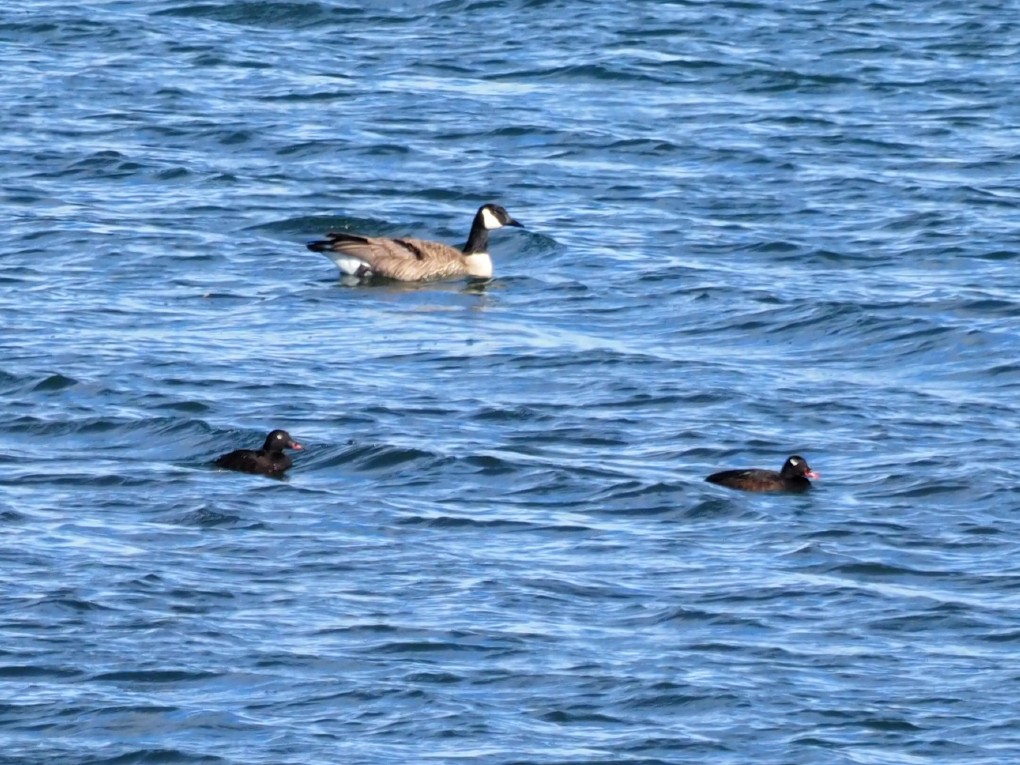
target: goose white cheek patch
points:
(490, 221)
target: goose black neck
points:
(478, 239)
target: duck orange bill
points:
(812, 474)
(296, 445)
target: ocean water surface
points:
(752, 230)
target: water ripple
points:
(752, 230)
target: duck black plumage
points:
(793, 476)
(269, 460)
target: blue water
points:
(753, 230)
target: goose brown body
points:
(408, 259)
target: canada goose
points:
(792, 477)
(416, 260)
(269, 460)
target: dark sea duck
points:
(793, 476)
(416, 260)
(269, 460)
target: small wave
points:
(264, 14)
(154, 676)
